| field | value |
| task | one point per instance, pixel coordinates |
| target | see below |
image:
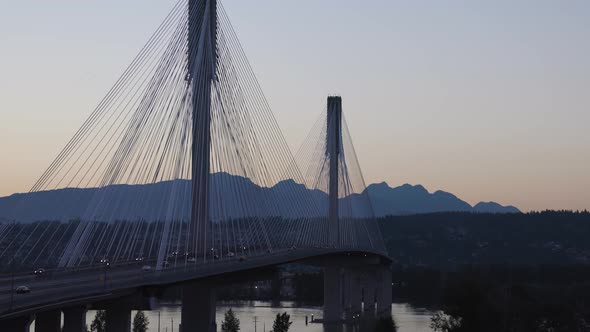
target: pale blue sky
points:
(489, 100)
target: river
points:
(408, 318)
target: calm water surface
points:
(408, 318)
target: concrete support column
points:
(370, 293)
(75, 319)
(20, 324)
(384, 295)
(333, 289)
(346, 289)
(355, 297)
(276, 285)
(118, 319)
(48, 321)
(198, 308)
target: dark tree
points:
(140, 322)
(230, 323)
(444, 323)
(100, 322)
(282, 323)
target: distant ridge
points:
(403, 200)
(493, 207)
(408, 199)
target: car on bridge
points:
(22, 290)
(39, 272)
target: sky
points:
(489, 100)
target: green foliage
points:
(445, 323)
(100, 322)
(282, 323)
(487, 302)
(450, 240)
(230, 323)
(437, 240)
(140, 322)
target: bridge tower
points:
(198, 300)
(202, 58)
(333, 148)
(333, 274)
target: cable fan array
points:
(183, 162)
(358, 227)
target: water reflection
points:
(408, 318)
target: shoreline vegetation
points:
(486, 272)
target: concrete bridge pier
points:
(369, 293)
(353, 295)
(118, 319)
(75, 319)
(48, 321)
(333, 294)
(198, 308)
(384, 295)
(20, 324)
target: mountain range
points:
(409, 199)
(232, 196)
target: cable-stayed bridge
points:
(181, 176)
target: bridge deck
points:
(89, 286)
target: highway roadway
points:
(65, 288)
